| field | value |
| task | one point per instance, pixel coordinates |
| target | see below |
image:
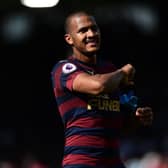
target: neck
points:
(90, 59)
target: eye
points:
(94, 28)
(83, 30)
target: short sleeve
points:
(68, 74)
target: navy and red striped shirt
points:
(92, 123)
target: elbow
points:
(98, 89)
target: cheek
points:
(78, 40)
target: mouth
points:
(92, 42)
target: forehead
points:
(78, 22)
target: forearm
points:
(102, 83)
(109, 82)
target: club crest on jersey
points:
(68, 68)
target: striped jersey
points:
(92, 124)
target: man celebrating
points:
(89, 99)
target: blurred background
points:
(31, 42)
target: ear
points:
(68, 39)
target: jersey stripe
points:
(78, 166)
(92, 151)
(103, 132)
(91, 161)
(73, 103)
(91, 122)
(90, 140)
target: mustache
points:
(92, 39)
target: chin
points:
(93, 50)
(91, 53)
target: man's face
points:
(85, 34)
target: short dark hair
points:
(70, 16)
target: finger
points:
(138, 111)
(146, 111)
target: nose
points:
(91, 33)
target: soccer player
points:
(89, 99)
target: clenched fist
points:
(129, 72)
(144, 115)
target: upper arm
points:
(71, 77)
(75, 79)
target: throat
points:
(89, 59)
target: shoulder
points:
(64, 66)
